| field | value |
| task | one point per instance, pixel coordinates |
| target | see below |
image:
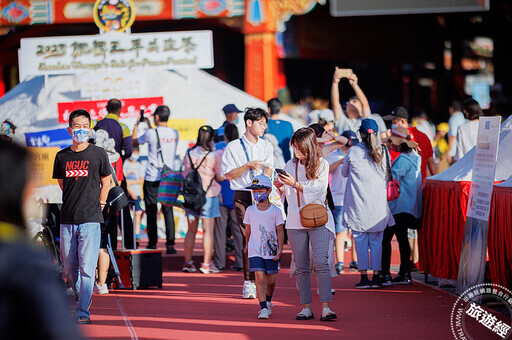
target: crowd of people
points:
(259, 188)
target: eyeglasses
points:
(262, 123)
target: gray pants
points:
(299, 241)
(227, 219)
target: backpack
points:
(194, 195)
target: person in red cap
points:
(400, 117)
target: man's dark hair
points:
(456, 106)
(231, 132)
(114, 106)
(14, 167)
(255, 113)
(79, 113)
(274, 106)
(472, 108)
(163, 113)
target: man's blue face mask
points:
(80, 135)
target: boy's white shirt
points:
(263, 240)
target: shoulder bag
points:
(393, 188)
(311, 215)
(171, 183)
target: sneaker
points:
(171, 250)
(376, 281)
(83, 320)
(209, 268)
(188, 267)
(249, 290)
(269, 307)
(364, 284)
(100, 289)
(402, 279)
(305, 314)
(340, 267)
(353, 266)
(263, 314)
(328, 314)
(386, 280)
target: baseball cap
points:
(230, 108)
(398, 112)
(5, 131)
(351, 136)
(327, 115)
(259, 182)
(369, 125)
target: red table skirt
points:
(444, 217)
(499, 237)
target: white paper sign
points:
(115, 52)
(112, 85)
(484, 168)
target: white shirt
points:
(169, 141)
(234, 157)
(315, 191)
(134, 171)
(338, 181)
(344, 123)
(455, 121)
(263, 240)
(365, 207)
(466, 138)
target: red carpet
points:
(198, 306)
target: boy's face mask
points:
(260, 197)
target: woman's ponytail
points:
(371, 141)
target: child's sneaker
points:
(353, 266)
(264, 313)
(249, 290)
(188, 267)
(340, 267)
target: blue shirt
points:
(283, 131)
(407, 170)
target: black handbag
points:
(116, 199)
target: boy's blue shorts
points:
(259, 264)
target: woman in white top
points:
(311, 185)
(207, 164)
(365, 207)
(467, 132)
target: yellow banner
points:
(43, 159)
(187, 128)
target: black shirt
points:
(81, 173)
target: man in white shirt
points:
(244, 159)
(162, 142)
(457, 118)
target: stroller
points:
(49, 237)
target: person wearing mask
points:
(227, 215)
(365, 207)
(83, 172)
(32, 300)
(242, 160)
(407, 208)
(467, 132)
(207, 163)
(162, 143)
(400, 117)
(306, 178)
(231, 112)
(457, 118)
(281, 129)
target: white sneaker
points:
(249, 290)
(264, 313)
(100, 289)
(328, 314)
(305, 314)
(269, 307)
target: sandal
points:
(327, 315)
(305, 314)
